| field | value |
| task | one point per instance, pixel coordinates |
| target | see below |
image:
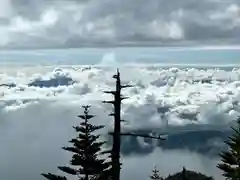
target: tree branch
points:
(143, 135)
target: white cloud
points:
(36, 122)
(185, 91)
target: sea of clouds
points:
(39, 105)
(184, 95)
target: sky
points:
(79, 23)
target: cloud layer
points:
(36, 120)
(33, 23)
(182, 96)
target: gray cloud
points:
(51, 23)
(31, 144)
(163, 160)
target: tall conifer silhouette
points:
(231, 159)
(86, 149)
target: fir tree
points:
(190, 175)
(155, 174)
(86, 150)
(231, 159)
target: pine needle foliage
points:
(85, 162)
(230, 164)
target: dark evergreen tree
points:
(184, 175)
(155, 174)
(231, 159)
(189, 175)
(86, 149)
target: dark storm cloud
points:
(52, 23)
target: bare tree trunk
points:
(115, 153)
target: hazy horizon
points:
(167, 56)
